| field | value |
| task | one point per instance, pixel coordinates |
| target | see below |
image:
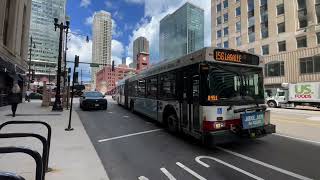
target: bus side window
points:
(167, 85)
(141, 88)
(152, 88)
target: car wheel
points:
(272, 104)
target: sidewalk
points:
(72, 154)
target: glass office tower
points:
(45, 55)
(181, 32)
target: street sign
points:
(94, 65)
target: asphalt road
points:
(131, 147)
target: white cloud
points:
(115, 30)
(89, 20)
(108, 4)
(155, 10)
(85, 3)
(117, 51)
(78, 46)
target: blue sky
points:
(132, 18)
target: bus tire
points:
(172, 123)
(272, 104)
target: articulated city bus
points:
(215, 95)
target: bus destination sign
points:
(235, 57)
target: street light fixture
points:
(30, 51)
(57, 103)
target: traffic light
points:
(76, 61)
(112, 66)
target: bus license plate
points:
(252, 120)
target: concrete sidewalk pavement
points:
(72, 154)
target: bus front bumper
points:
(227, 136)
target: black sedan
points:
(93, 100)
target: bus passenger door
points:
(195, 103)
(186, 91)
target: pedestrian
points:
(28, 92)
(15, 98)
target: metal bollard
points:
(42, 139)
(35, 155)
(34, 122)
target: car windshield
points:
(234, 84)
(93, 94)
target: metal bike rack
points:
(34, 122)
(10, 176)
(35, 155)
(41, 138)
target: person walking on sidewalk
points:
(28, 92)
(15, 98)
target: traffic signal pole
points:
(76, 64)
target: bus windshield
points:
(235, 84)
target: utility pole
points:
(57, 103)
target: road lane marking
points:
(298, 176)
(168, 174)
(314, 118)
(300, 139)
(142, 178)
(290, 121)
(226, 164)
(128, 135)
(126, 116)
(190, 171)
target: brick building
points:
(106, 78)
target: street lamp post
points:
(30, 51)
(57, 103)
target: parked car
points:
(93, 100)
(35, 95)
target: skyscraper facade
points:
(140, 45)
(101, 44)
(46, 39)
(181, 32)
(285, 32)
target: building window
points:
(310, 65)
(281, 27)
(225, 17)
(219, 20)
(238, 40)
(318, 37)
(226, 44)
(251, 50)
(237, 1)
(264, 30)
(225, 31)
(282, 46)
(238, 26)
(263, 2)
(225, 4)
(219, 7)
(219, 45)
(302, 14)
(273, 69)
(250, 5)
(318, 10)
(219, 34)
(251, 34)
(280, 9)
(302, 42)
(265, 49)
(238, 11)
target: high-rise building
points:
(46, 39)
(285, 32)
(181, 32)
(140, 45)
(14, 32)
(124, 60)
(101, 44)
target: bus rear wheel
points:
(172, 123)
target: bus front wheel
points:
(272, 104)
